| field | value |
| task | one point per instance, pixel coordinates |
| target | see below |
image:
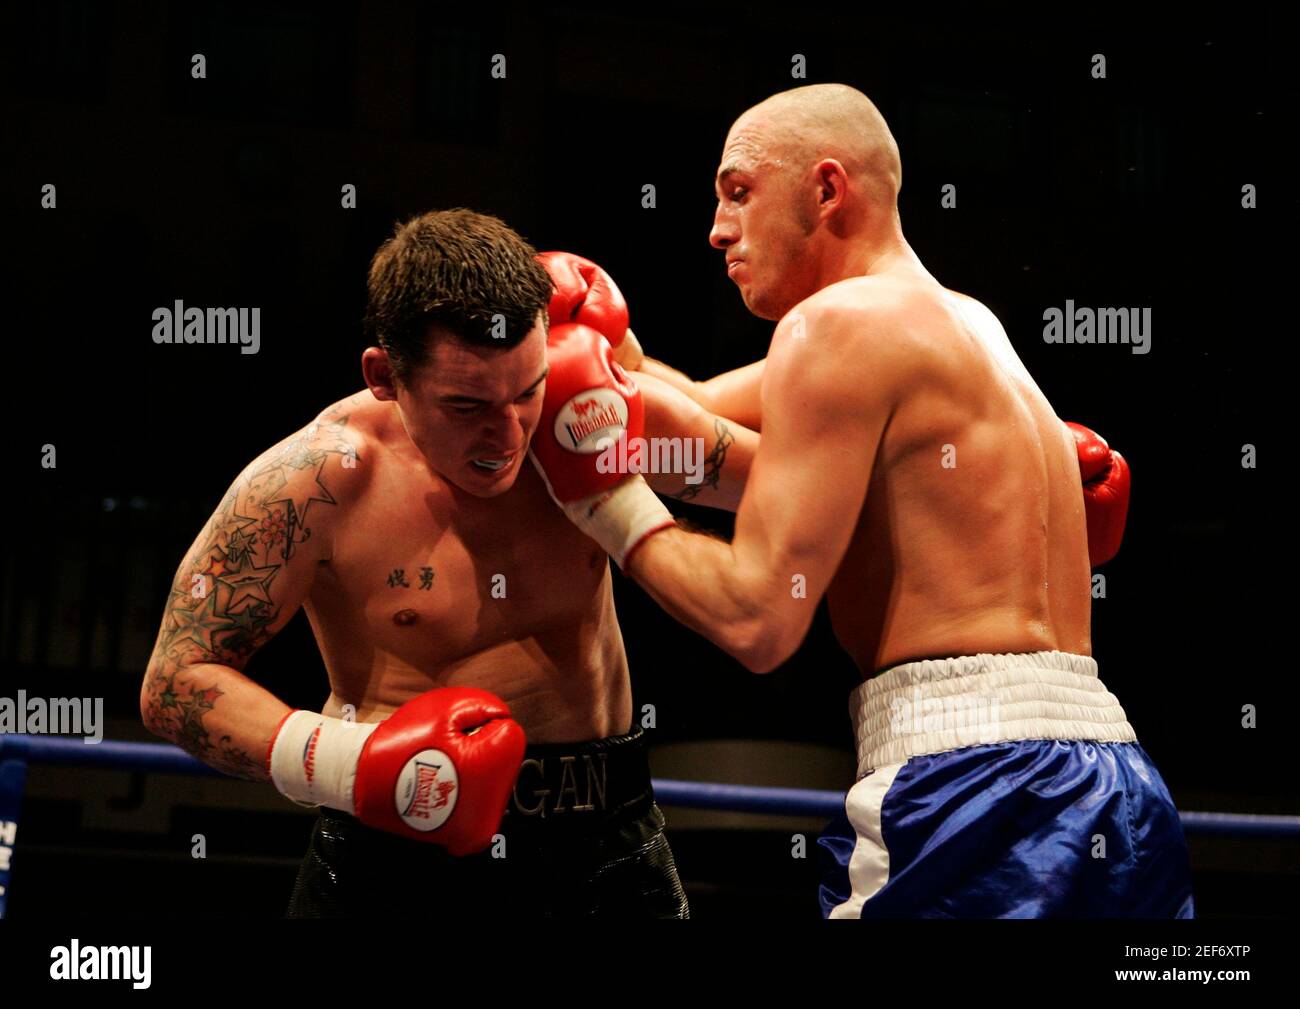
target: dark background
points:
(226, 191)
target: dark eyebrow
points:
(475, 401)
(542, 378)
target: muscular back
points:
(972, 537)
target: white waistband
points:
(944, 704)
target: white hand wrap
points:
(622, 517)
(314, 758)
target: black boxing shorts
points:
(582, 838)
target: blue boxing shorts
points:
(1001, 786)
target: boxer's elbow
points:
(762, 662)
(150, 704)
(147, 718)
(764, 643)
(765, 626)
(147, 708)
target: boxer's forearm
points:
(700, 582)
(720, 457)
(214, 713)
(678, 380)
(710, 456)
(733, 394)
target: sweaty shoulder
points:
(359, 416)
(931, 329)
(842, 350)
(350, 429)
(863, 324)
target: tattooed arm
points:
(243, 578)
(720, 450)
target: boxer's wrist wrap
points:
(314, 758)
(622, 518)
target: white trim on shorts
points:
(935, 705)
(868, 867)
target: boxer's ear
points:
(377, 369)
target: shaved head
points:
(797, 128)
(807, 191)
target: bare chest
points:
(431, 576)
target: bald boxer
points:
(458, 614)
(911, 471)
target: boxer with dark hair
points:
(459, 615)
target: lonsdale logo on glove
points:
(426, 790)
(591, 405)
(591, 420)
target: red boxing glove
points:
(591, 406)
(585, 293)
(440, 768)
(589, 401)
(1105, 492)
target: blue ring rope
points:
(823, 803)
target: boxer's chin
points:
(760, 310)
(480, 482)
(759, 304)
